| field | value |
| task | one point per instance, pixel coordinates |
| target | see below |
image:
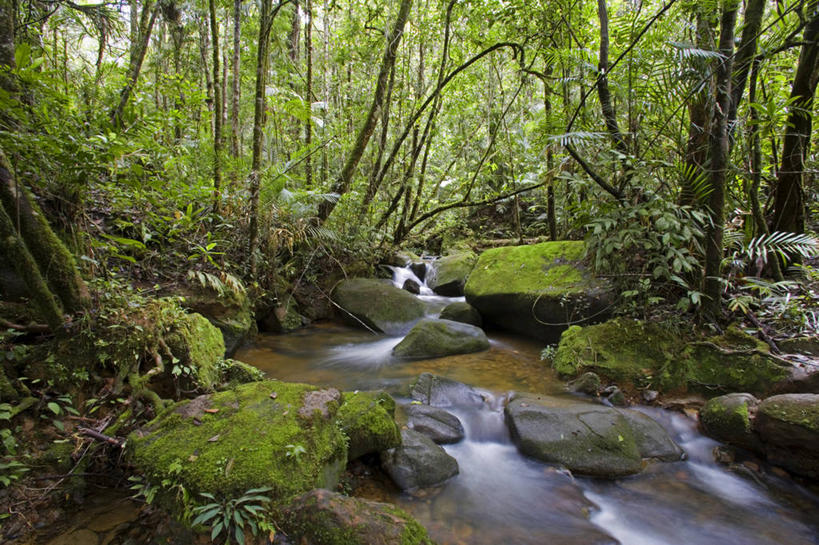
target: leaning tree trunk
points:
(718, 145)
(342, 184)
(53, 259)
(789, 204)
(752, 23)
(137, 57)
(603, 81)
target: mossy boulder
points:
(282, 318)
(198, 346)
(322, 517)
(587, 439)
(643, 354)
(788, 426)
(463, 312)
(418, 462)
(239, 372)
(447, 275)
(368, 420)
(377, 305)
(268, 433)
(229, 310)
(728, 418)
(537, 290)
(800, 345)
(431, 338)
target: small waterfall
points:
(401, 274)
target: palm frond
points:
(782, 243)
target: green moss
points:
(378, 304)
(243, 438)
(454, 268)
(648, 354)
(791, 409)
(199, 345)
(547, 268)
(239, 372)
(367, 418)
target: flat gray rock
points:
(437, 424)
(418, 462)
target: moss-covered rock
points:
(788, 426)
(537, 290)
(463, 312)
(728, 418)
(268, 433)
(321, 517)
(199, 347)
(645, 354)
(282, 318)
(800, 345)
(448, 274)
(431, 338)
(228, 310)
(239, 372)
(368, 420)
(377, 305)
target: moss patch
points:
(377, 304)
(198, 345)
(799, 410)
(368, 420)
(229, 442)
(646, 354)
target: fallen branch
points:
(102, 437)
(31, 328)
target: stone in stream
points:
(377, 305)
(587, 383)
(229, 310)
(437, 391)
(788, 426)
(462, 312)
(537, 290)
(322, 517)
(411, 286)
(432, 338)
(418, 462)
(419, 270)
(448, 274)
(367, 419)
(728, 418)
(586, 438)
(439, 425)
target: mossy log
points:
(53, 259)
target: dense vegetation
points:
(264, 149)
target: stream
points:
(501, 496)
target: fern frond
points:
(782, 243)
(576, 137)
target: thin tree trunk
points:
(603, 81)
(135, 66)
(236, 87)
(308, 125)
(204, 46)
(7, 48)
(789, 203)
(342, 184)
(325, 15)
(550, 189)
(752, 23)
(718, 144)
(217, 111)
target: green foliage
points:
(231, 516)
(11, 468)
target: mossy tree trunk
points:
(53, 260)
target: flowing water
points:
(501, 497)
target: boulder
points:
(262, 434)
(227, 309)
(651, 438)
(368, 420)
(800, 345)
(431, 338)
(377, 305)
(437, 424)
(198, 347)
(643, 353)
(239, 372)
(419, 270)
(282, 318)
(788, 426)
(418, 462)
(437, 391)
(728, 419)
(322, 517)
(462, 312)
(587, 439)
(587, 383)
(401, 259)
(448, 274)
(534, 290)
(411, 286)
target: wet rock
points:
(320, 404)
(321, 517)
(419, 270)
(437, 424)
(462, 312)
(411, 286)
(587, 383)
(651, 438)
(367, 419)
(227, 309)
(431, 338)
(802, 380)
(788, 425)
(448, 274)
(800, 345)
(585, 438)
(531, 289)
(437, 391)
(377, 305)
(418, 462)
(615, 396)
(401, 259)
(282, 318)
(650, 396)
(728, 419)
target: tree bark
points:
(149, 13)
(236, 87)
(217, 108)
(603, 81)
(718, 145)
(308, 125)
(752, 24)
(342, 184)
(789, 205)
(7, 47)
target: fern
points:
(576, 137)
(227, 285)
(781, 243)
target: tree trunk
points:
(752, 23)
(53, 259)
(603, 81)
(236, 87)
(217, 108)
(342, 184)
(149, 13)
(718, 144)
(308, 125)
(789, 204)
(7, 48)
